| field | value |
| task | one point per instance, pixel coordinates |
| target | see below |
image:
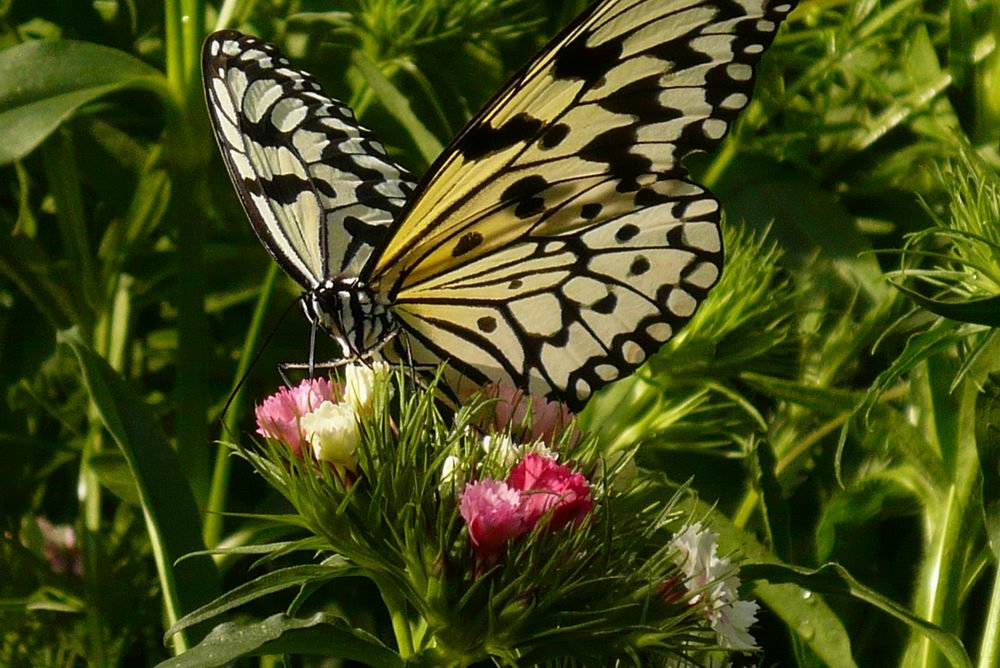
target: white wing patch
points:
(317, 187)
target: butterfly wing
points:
(317, 186)
(557, 242)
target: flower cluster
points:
(321, 415)
(712, 583)
(538, 488)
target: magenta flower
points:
(278, 416)
(492, 511)
(548, 418)
(547, 486)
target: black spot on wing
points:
(487, 324)
(481, 140)
(465, 244)
(640, 266)
(606, 304)
(285, 188)
(626, 232)
(590, 211)
(525, 193)
(641, 99)
(649, 197)
(554, 135)
(611, 148)
(577, 60)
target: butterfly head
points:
(350, 313)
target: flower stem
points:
(396, 604)
(989, 648)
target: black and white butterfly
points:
(554, 245)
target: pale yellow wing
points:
(557, 242)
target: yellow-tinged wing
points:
(557, 242)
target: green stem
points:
(396, 604)
(175, 48)
(989, 648)
(935, 582)
(230, 422)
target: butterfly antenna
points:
(253, 363)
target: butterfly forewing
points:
(317, 187)
(557, 242)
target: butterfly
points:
(554, 245)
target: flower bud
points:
(332, 431)
(359, 381)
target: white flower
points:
(332, 431)
(506, 452)
(359, 380)
(715, 578)
(451, 474)
(502, 449)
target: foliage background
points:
(828, 398)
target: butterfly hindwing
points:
(317, 186)
(557, 242)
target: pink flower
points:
(548, 418)
(492, 511)
(278, 416)
(547, 486)
(61, 550)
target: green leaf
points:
(293, 576)
(834, 579)
(171, 515)
(64, 75)
(988, 446)
(807, 220)
(320, 634)
(399, 106)
(113, 472)
(860, 503)
(984, 311)
(777, 521)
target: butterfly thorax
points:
(351, 313)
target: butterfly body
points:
(357, 318)
(554, 245)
